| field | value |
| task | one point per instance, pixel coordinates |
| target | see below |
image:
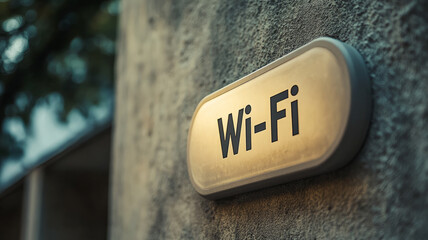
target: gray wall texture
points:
(172, 53)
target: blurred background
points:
(56, 106)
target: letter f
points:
(275, 115)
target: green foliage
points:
(53, 47)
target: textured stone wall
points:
(172, 53)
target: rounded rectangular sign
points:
(304, 114)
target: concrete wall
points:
(172, 53)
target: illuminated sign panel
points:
(304, 114)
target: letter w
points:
(230, 133)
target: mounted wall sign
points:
(304, 114)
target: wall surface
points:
(172, 53)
